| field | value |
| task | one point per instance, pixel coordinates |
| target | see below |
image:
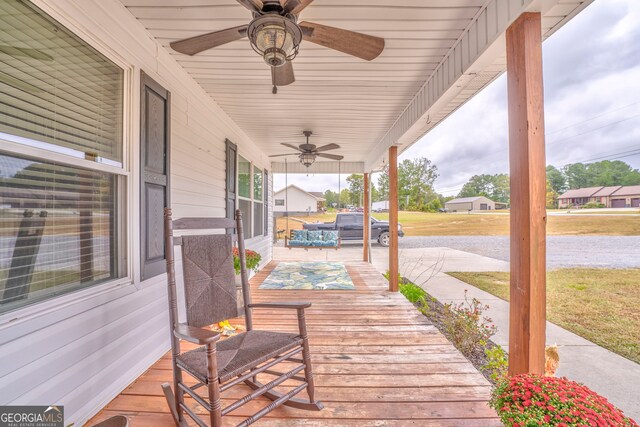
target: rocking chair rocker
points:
(210, 297)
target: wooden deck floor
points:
(377, 362)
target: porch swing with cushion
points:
(310, 239)
(210, 297)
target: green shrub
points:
(593, 205)
(412, 292)
(387, 275)
(497, 363)
(465, 325)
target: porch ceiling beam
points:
(527, 309)
(294, 166)
(470, 62)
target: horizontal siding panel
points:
(93, 347)
(37, 374)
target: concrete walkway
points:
(613, 376)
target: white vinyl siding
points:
(95, 342)
(59, 219)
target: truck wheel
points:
(384, 239)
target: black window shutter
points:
(155, 132)
(232, 161)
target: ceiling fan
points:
(307, 153)
(275, 34)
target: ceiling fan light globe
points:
(307, 159)
(275, 57)
(275, 38)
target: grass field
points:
(600, 305)
(440, 224)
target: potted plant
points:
(253, 259)
(532, 400)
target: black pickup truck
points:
(350, 226)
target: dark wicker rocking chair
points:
(210, 297)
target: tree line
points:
(416, 178)
(577, 175)
(415, 187)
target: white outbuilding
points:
(465, 204)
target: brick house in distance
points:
(610, 197)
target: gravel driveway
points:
(562, 251)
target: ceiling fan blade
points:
(283, 155)
(290, 146)
(282, 76)
(349, 42)
(197, 44)
(252, 5)
(330, 156)
(295, 6)
(328, 147)
(25, 52)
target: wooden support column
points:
(366, 219)
(527, 316)
(393, 218)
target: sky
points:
(592, 106)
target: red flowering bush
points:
(253, 260)
(535, 400)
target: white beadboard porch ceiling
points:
(362, 106)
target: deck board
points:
(377, 361)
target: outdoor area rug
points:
(308, 275)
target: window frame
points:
(249, 234)
(254, 173)
(100, 293)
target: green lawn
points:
(441, 224)
(600, 305)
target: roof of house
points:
(580, 192)
(606, 191)
(628, 190)
(318, 194)
(312, 194)
(467, 199)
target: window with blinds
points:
(56, 229)
(58, 220)
(55, 88)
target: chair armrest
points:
(195, 335)
(291, 305)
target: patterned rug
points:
(308, 275)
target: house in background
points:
(465, 204)
(295, 200)
(611, 197)
(626, 197)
